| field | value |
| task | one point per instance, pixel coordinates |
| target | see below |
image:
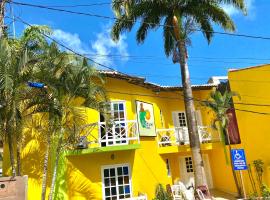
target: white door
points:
(187, 171)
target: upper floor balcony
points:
(113, 136)
(177, 138)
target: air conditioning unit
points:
(83, 143)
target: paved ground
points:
(218, 195)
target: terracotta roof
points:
(141, 81)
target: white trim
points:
(115, 166)
(176, 112)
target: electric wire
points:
(115, 18)
(60, 44)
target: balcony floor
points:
(102, 149)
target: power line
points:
(114, 18)
(198, 100)
(60, 44)
(64, 46)
(80, 5)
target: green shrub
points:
(162, 194)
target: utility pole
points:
(2, 15)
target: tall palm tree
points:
(220, 103)
(180, 18)
(16, 61)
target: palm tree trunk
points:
(11, 154)
(45, 168)
(55, 169)
(194, 139)
(18, 159)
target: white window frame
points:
(116, 178)
(177, 123)
(124, 121)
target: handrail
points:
(179, 136)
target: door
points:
(114, 133)
(187, 171)
(180, 124)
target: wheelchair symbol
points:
(237, 155)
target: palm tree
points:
(180, 18)
(219, 104)
(16, 60)
(71, 87)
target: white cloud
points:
(233, 11)
(100, 47)
(104, 45)
(72, 41)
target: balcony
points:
(178, 138)
(114, 136)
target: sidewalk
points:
(222, 195)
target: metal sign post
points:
(239, 163)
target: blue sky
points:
(91, 35)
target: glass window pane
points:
(121, 189)
(113, 190)
(107, 191)
(120, 180)
(119, 171)
(126, 180)
(115, 106)
(127, 189)
(106, 173)
(113, 182)
(125, 170)
(112, 172)
(121, 106)
(107, 182)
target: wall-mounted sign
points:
(145, 117)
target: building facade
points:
(145, 144)
(253, 115)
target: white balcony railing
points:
(116, 133)
(179, 136)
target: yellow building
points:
(253, 115)
(147, 144)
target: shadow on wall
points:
(83, 175)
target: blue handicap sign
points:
(239, 159)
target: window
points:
(117, 110)
(179, 119)
(117, 132)
(116, 182)
(168, 167)
(189, 165)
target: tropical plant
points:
(71, 88)
(180, 18)
(161, 193)
(219, 104)
(258, 165)
(16, 61)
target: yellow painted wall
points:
(253, 85)
(147, 165)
